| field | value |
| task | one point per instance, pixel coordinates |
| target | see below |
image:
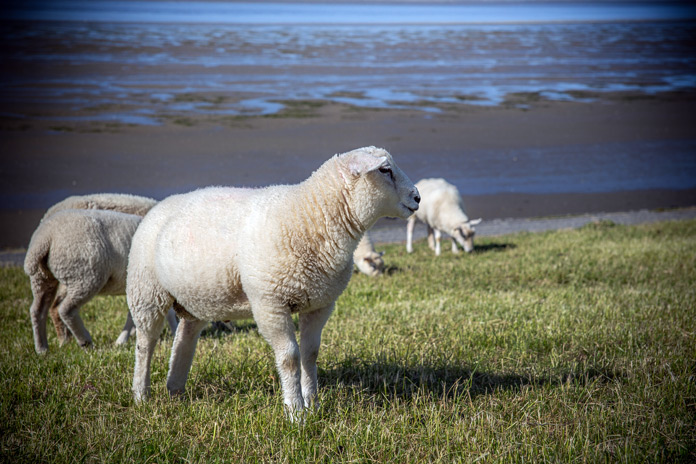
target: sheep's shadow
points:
(221, 329)
(493, 247)
(392, 269)
(383, 381)
(389, 380)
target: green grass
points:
(569, 346)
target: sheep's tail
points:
(36, 260)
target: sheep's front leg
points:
(311, 325)
(455, 248)
(410, 225)
(183, 349)
(276, 326)
(438, 236)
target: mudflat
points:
(44, 161)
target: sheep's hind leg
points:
(64, 334)
(69, 310)
(127, 331)
(44, 292)
(311, 325)
(146, 337)
(431, 239)
(277, 327)
(129, 327)
(172, 321)
(183, 349)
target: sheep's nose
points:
(416, 198)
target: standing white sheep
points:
(232, 253)
(85, 252)
(366, 259)
(122, 202)
(442, 210)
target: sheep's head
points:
(464, 235)
(371, 263)
(379, 187)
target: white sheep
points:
(122, 202)
(233, 253)
(366, 259)
(442, 210)
(85, 252)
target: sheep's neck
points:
(323, 210)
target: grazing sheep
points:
(367, 260)
(122, 202)
(85, 252)
(442, 210)
(233, 253)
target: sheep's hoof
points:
(87, 345)
(122, 339)
(177, 393)
(140, 397)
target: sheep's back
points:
(120, 202)
(84, 246)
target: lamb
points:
(366, 259)
(85, 252)
(124, 203)
(203, 253)
(442, 210)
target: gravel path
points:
(394, 231)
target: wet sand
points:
(44, 161)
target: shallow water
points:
(183, 57)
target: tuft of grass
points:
(565, 346)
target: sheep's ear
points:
(381, 253)
(474, 222)
(362, 163)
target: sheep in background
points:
(233, 253)
(366, 259)
(122, 202)
(86, 253)
(442, 210)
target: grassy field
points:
(569, 346)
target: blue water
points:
(345, 13)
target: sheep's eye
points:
(385, 170)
